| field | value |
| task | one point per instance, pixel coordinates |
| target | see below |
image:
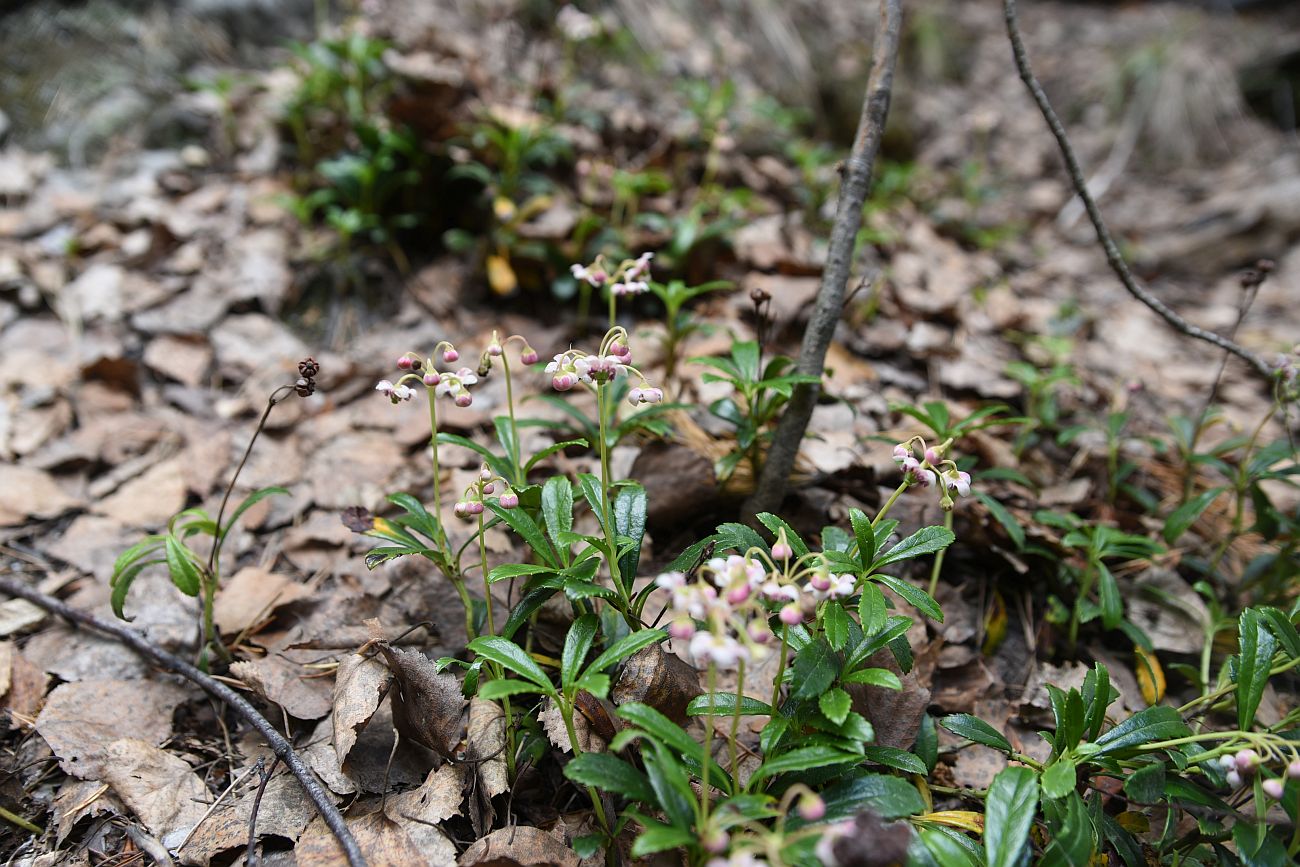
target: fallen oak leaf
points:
(427, 704)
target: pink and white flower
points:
(720, 650)
(395, 393)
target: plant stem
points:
(566, 713)
(607, 519)
(889, 503)
(514, 429)
(487, 588)
(938, 557)
(433, 451)
(735, 721)
(780, 666)
(613, 307)
(707, 750)
(1212, 697)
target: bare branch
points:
(1113, 256)
(790, 431)
(282, 748)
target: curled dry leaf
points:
(437, 800)
(427, 704)
(589, 741)
(281, 681)
(660, 679)
(520, 846)
(78, 799)
(894, 714)
(486, 743)
(358, 688)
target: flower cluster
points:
(496, 348)
(453, 384)
(470, 505)
(573, 367)
(1241, 766)
(628, 278)
(724, 611)
(932, 469)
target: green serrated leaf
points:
(917, 597)
(815, 668)
(1008, 814)
(973, 728)
(510, 655)
(835, 703)
(1059, 779)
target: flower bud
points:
(564, 382)
(489, 488)
(474, 507)
(652, 395)
(509, 500)
(791, 615)
(1273, 788)
(404, 363)
(1247, 760)
(759, 632)
(1234, 779)
(821, 581)
(1293, 770)
(716, 841)
(494, 350)
(781, 551)
(1227, 762)
(636, 396)
(464, 399)
(617, 348)
(811, 807)
(528, 356)
(484, 473)
(932, 457)
(449, 355)
(461, 509)
(681, 629)
(432, 378)
(738, 594)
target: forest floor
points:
(152, 297)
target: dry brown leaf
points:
(19, 614)
(894, 714)
(281, 681)
(320, 757)
(284, 812)
(249, 597)
(81, 721)
(160, 788)
(150, 499)
(486, 744)
(26, 691)
(383, 842)
(660, 679)
(438, 799)
(553, 723)
(27, 493)
(358, 687)
(427, 704)
(78, 799)
(521, 845)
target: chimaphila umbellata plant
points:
(193, 574)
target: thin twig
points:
(250, 857)
(213, 806)
(279, 746)
(771, 487)
(1113, 256)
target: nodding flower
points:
(395, 393)
(456, 386)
